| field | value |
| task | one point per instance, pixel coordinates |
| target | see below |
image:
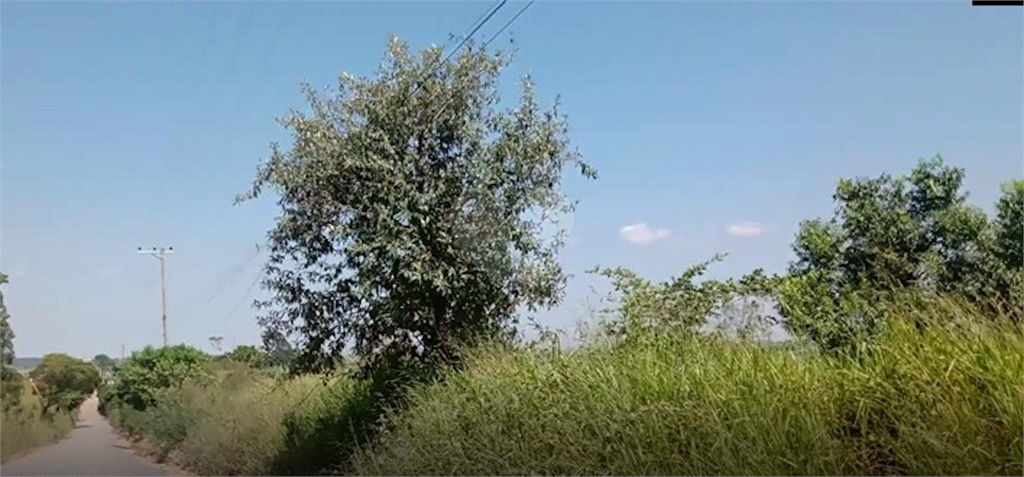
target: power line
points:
(225, 281)
(486, 17)
(488, 42)
(477, 21)
(241, 302)
(514, 18)
(468, 37)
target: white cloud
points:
(641, 234)
(746, 229)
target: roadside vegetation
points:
(415, 223)
(41, 407)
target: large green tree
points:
(63, 381)
(6, 333)
(248, 354)
(915, 231)
(412, 210)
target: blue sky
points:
(716, 127)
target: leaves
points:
(63, 381)
(889, 233)
(248, 355)
(1009, 224)
(138, 379)
(6, 333)
(407, 211)
(681, 305)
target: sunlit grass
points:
(940, 393)
(946, 401)
(24, 427)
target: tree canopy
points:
(104, 363)
(412, 211)
(6, 333)
(915, 231)
(249, 355)
(64, 382)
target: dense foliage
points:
(104, 363)
(11, 381)
(681, 305)
(145, 374)
(249, 355)
(412, 211)
(913, 232)
(6, 333)
(64, 382)
(276, 348)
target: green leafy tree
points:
(888, 233)
(411, 211)
(104, 363)
(249, 355)
(140, 378)
(1009, 225)
(64, 382)
(277, 349)
(6, 333)
(11, 381)
(12, 384)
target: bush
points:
(249, 355)
(139, 380)
(11, 385)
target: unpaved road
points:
(92, 448)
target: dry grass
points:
(25, 428)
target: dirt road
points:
(92, 448)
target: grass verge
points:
(943, 401)
(24, 427)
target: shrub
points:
(11, 385)
(249, 355)
(143, 375)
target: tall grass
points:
(940, 392)
(24, 427)
(242, 431)
(241, 421)
(943, 399)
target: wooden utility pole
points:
(162, 256)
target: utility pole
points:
(162, 256)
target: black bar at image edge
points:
(997, 3)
